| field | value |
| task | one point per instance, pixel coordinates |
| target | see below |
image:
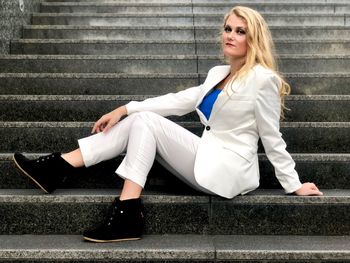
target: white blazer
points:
(227, 161)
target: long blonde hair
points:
(261, 49)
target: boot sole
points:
(25, 173)
(113, 240)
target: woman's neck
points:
(236, 65)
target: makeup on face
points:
(234, 37)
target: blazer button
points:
(207, 128)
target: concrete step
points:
(158, 63)
(312, 108)
(183, 8)
(28, 211)
(301, 137)
(115, 7)
(95, 83)
(292, 63)
(328, 171)
(156, 47)
(111, 19)
(177, 248)
(142, 84)
(146, 32)
(98, 64)
(102, 47)
(137, 19)
(243, 2)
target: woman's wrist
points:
(122, 110)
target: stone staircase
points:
(80, 59)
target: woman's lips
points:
(230, 45)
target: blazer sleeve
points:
(179, 103)
(267, 111)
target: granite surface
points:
(326, 170)
(179, 248)
(12, 19)
(263, 212)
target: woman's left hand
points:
(308, 189)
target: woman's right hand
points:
(108, 120)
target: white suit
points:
(226, 162)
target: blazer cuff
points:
(131, 107)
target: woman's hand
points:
(108, 120)
(308, 189)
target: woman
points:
(237, 103)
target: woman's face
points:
(234, 38)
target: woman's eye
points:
(227, 29)
(240, 32)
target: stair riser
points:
(156, 85)
(176, 34)
(299, 140)
(91, 110)
(144, 66)
(121, 9)
(331, 20)
(118, 34)
(182, 218)
(326, 174)
(187, 9)
(105, 49)
(243, 2)
(123, 86)
(136, 1)
(136, 66)
(164, 49)
(247, 219)
(113, 21)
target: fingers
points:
(309, 189)
(313, 189)
(98, 126)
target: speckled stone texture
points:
(301, 137)
(327, 170)
(259, 213)
(102, 84)
(312, 108)
(12, 19)
(178, 248)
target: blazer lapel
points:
(225, 95)
(213, 80)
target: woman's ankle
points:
(74, 158)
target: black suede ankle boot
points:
(47, 172)
(125, 222)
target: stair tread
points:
(9, 97)
(162, 57)
(153, 75)
(185, 247)
(143, 27)
(160, 41)
(24, 124)
(194, 15)
(306, 157)
(259, 196)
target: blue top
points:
(207, 103)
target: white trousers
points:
(145, 136)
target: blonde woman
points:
(237, 104)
